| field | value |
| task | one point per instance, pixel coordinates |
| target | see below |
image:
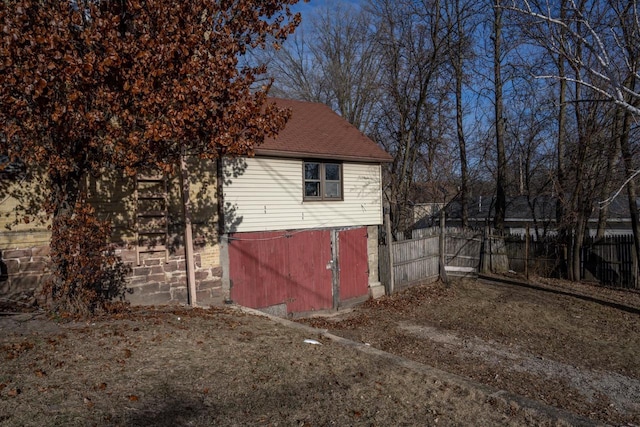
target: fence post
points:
(634, 267)
(442, 248)
(485, 255)
(387, 223)
(526, 253)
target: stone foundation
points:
(22, 272)
(154, 282)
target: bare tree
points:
(293, 68)
(348, 58)
(561, 175)
(412, 38)
(501, 167)
(336, 63)
(608, 30)
(627, 13)
(459, 18)
(531, 121)
(601, 44)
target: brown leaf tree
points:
(129, 84)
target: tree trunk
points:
(500, 261)
(603, 214)
(561, 220)
(577, 199)
(614, 150)
(631, 43)
(501, 197)
(65, 194)
(632, 193)
(579, 233)
(464, 173)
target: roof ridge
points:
(315, 130)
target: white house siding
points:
(267, 195)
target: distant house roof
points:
(316, 131)
(544, 208)
(518, 208)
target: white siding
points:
(267, 195)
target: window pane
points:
(312, 171)
(312, 189)
(332, 172)
(332, 189)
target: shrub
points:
(86, 273)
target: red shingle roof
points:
(315, 131)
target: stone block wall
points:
(376, 289)
(154, 282)
(22, 272)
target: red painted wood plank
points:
(255, 264)
(270, 268)
(353, 261)
(310, 281)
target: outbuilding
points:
(301, 221)
(296, 228)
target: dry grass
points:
(574, 354)
(178, 367)
(172, 366)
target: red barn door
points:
(353, 263)
(298, 269)
(274, 268)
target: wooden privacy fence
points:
(414, 259)
(462, 248)
(418, 259)
(610, 261)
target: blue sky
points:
(308, 9)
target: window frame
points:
(322, 169)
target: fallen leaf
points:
(132, 397)
(14, 392)
(127, 353)
(40, 373)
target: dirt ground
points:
(572, 353)
(221, 366)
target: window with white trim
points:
(322, 180)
